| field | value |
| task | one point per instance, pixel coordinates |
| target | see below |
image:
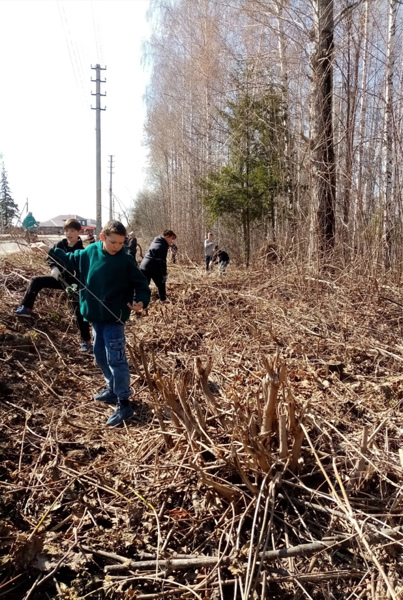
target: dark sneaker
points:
(21, 311)
(122, 413)
(86, 347)
(106, 396)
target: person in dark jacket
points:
(221, 258)
(132, 245)
(60, 279)
(111, 287)
(154, 264)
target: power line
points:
(98, 43)
(77, 70)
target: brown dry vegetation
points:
(268, 418)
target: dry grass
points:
(268, 417)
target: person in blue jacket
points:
(154, 264)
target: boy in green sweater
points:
(111, 286)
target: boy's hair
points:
(72, 224)
(114, 227)
(169, 233)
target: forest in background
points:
(276, 120)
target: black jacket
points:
(221, 256)
(69, 278)
(132, 247)
(155, 259)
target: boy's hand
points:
(136, 307)
(39, 247)
(55, 272)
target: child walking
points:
(111, 286)
(60, 279)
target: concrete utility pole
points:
(111, 207)
(98, 109)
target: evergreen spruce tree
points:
(8, 208)
(245, 187)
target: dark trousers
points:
(158, 279)
(208, 261)
(39, 283)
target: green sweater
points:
(108, 282)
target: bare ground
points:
(264, 459)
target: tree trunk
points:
(289, 187)
(387, 154)
(323, 143)
(359, 206)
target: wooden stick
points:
(181, 564)
(283, 448)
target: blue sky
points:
(47, 127)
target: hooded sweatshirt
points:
(107, 282)
(72, 277)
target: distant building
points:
(55, 225)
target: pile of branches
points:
(264, 458)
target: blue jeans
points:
(109, 353)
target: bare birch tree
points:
(387, 143)
(337, 163)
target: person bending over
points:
(60, 279)
(154, 264)
(221, 258)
